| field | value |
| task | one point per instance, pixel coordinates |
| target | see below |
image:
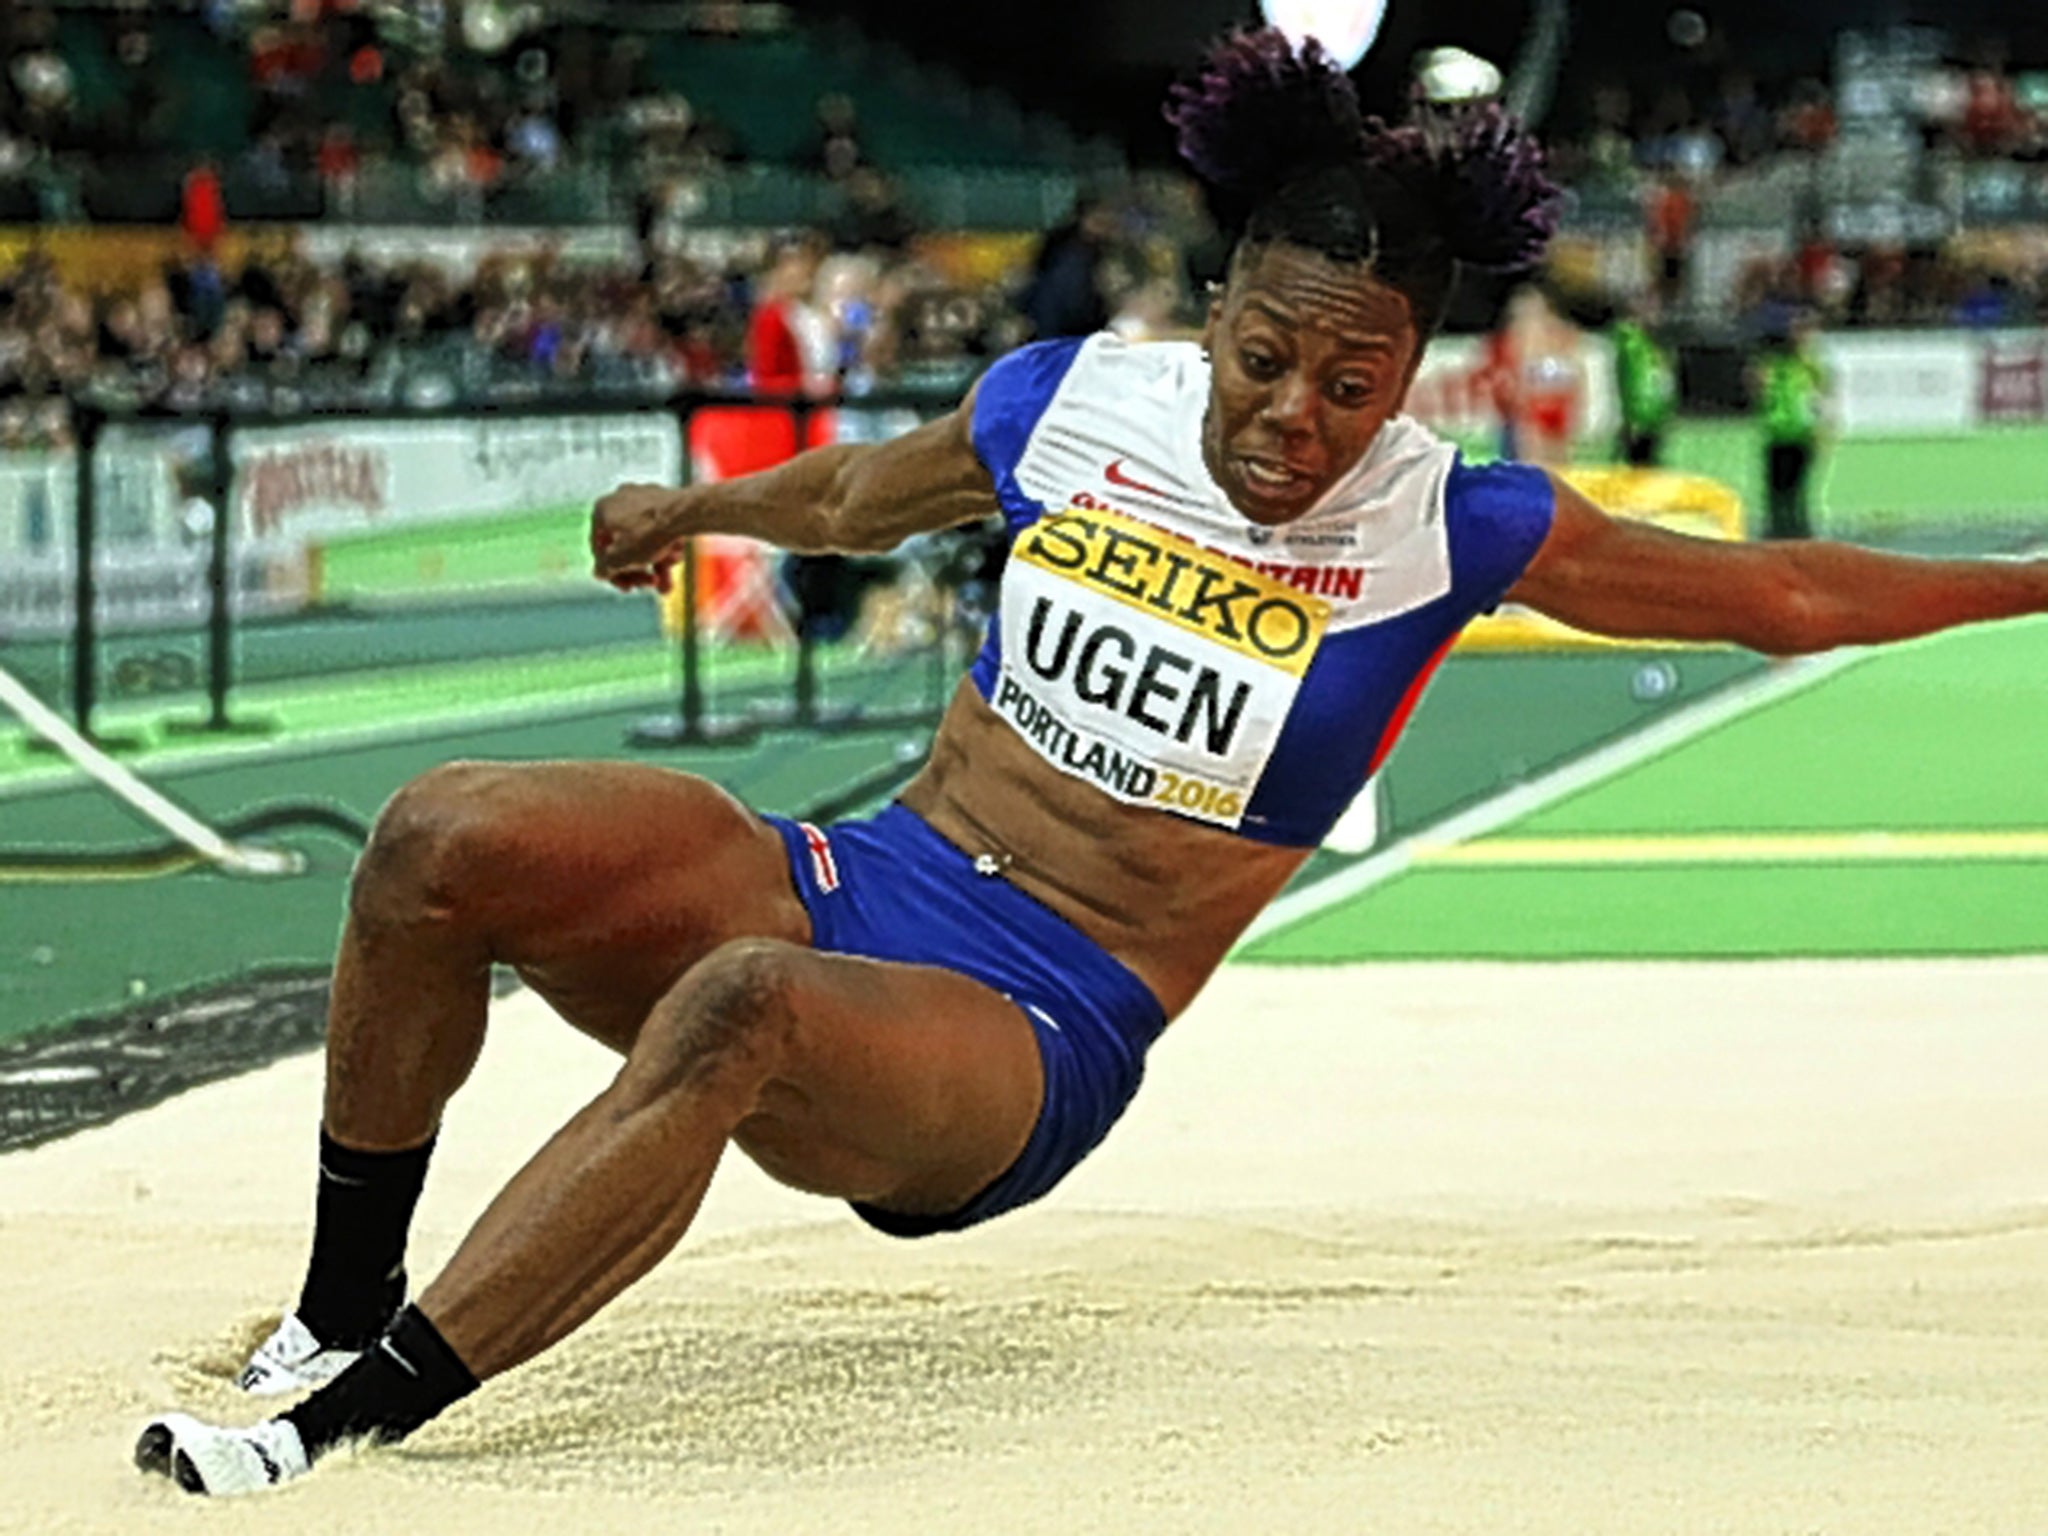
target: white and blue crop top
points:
(1154, 642)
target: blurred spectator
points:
(872, 217)
(836, 151)
(1987, 300)
(1825, 278)
(845, 294)
(534, 139)
(1678, 140)
(1065, 294)
(1993, 123)
(202, 208)
(624, 74)
(141, 97)
(673, 138)
(1879, 297)
(1808, 123)
(464, 161)
(789, 343)
(43, 81)
(1537, 349)
(1610, 153)
(1669, 214)
(197, 290)
(1747, 130)
(339, 164)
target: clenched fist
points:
(634, 535)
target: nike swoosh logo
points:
(1115, 475)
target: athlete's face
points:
(1309, 359)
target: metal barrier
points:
(692, 724)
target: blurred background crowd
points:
(469, 199)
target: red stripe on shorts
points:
(824, 870)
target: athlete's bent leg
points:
(896, 1084)
(901, 1085)
(600, 882)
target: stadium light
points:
(489, 26)
(1345, 27)
(1451, 75)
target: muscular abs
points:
(1166, 896)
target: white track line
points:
(2027, 845)
(312, 741)
(1780, 682)
(138, 796)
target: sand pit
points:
(1744, 1248)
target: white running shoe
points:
(292, 1360)
(201, 1458)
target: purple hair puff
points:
(1486, 176)
(1259, 113)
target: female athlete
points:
(1232, 568)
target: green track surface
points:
(515, 552)
(73, 948)
(330, 641)
(80, 947)
(1958, 493)
(424, 659)
(1662, 913)
(1948, 734)
(1933, 492)
(1493, 719)
(450, 695)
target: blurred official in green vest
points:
(1791, 399)
(1646, 379)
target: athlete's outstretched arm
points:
(849, 498)
(1616, 576)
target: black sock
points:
(402, 1381)
(355, 1280)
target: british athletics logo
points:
(824, 868)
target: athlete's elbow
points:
(1791, 617)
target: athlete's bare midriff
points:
(1166, 896)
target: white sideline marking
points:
(166, 813)
(1665, 848)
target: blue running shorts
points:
(891, 888)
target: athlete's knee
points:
(731, 1019)
(439, 845)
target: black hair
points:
(1278, 131)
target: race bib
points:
(1159, 671)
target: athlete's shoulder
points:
(1142, 393)
(1099, 421)
(1500, 492)
(1499, 515)
(1011, 399)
